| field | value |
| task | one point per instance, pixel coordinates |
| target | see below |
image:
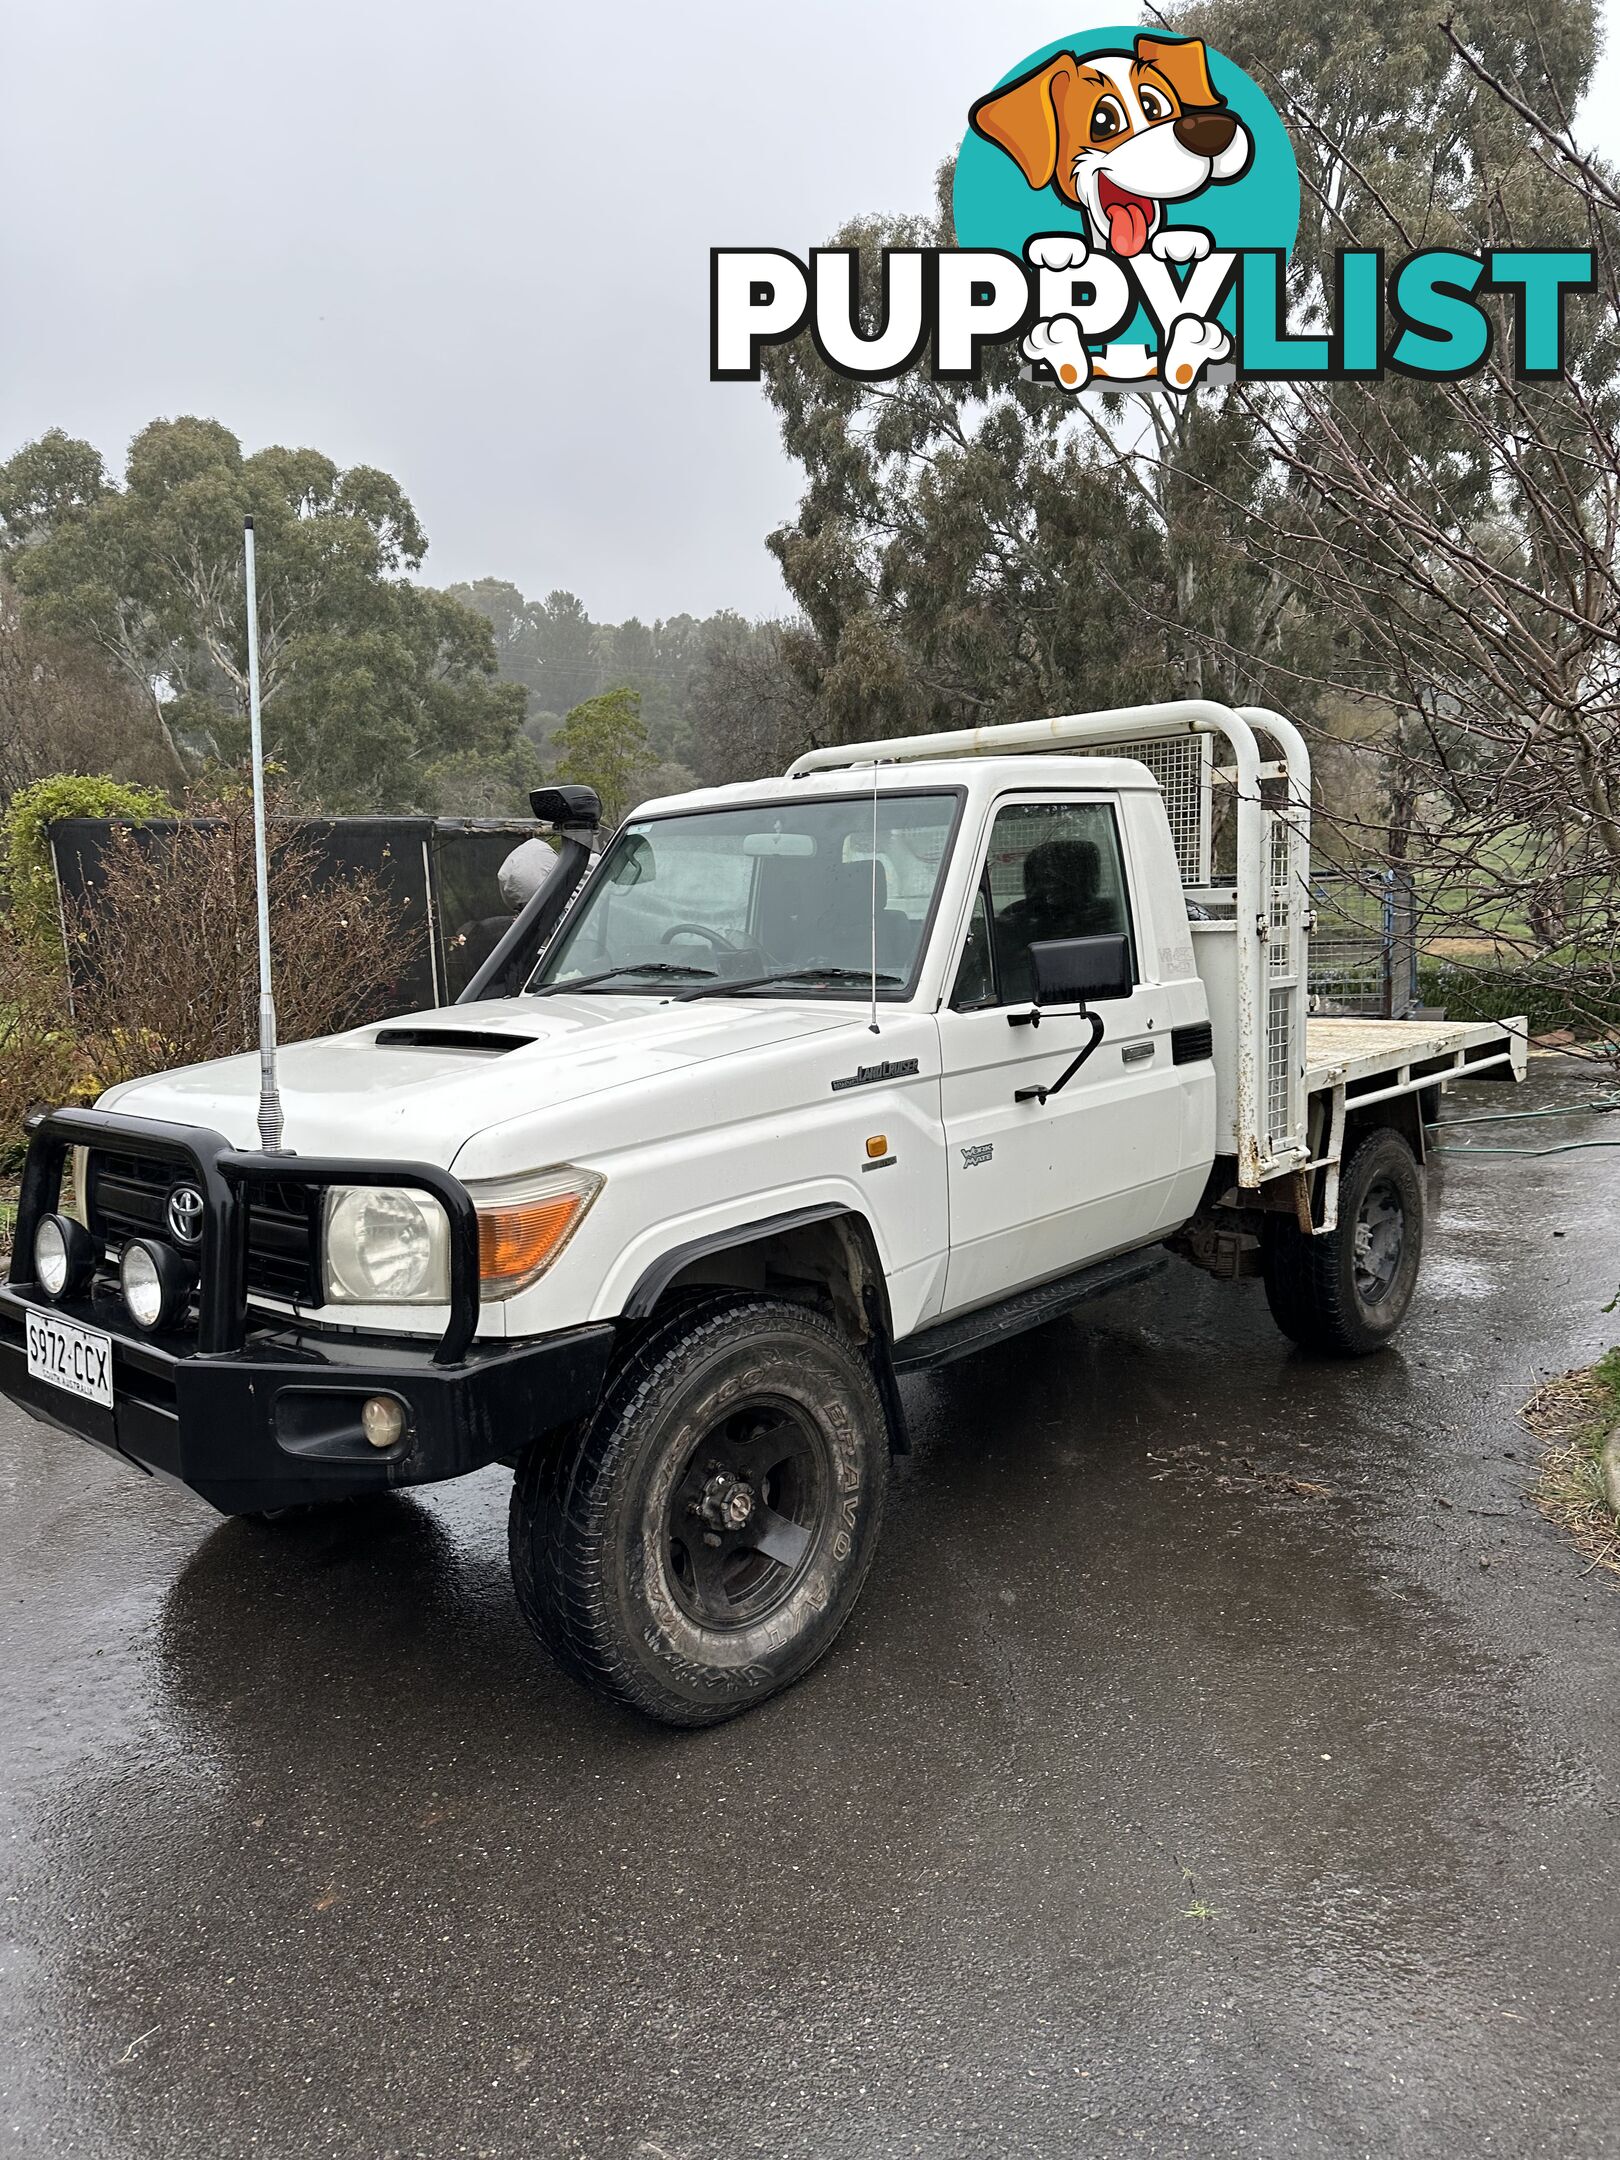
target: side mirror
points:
(1078, 970)
(579, 806)
(1073, 971)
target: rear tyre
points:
(701, 1541)
(1346, 1292)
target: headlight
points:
(385, 1245)
(523, 1226)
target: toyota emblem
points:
(186, 1209)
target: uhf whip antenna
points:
(270, 1119)
(874, 1020)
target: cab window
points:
(1052, 870)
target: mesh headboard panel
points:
(1183, 765)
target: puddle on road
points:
(1452, 1275)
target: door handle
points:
(1134, 1053)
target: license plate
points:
(76, 1358)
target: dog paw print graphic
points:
(1144, 154)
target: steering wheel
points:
(717, 938)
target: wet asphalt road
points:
(1192, 1780)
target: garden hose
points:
(1508, 1117)
(1513, 1117)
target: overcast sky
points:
(467, 241)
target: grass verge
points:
(1572, 1416)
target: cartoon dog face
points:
(1119, 134)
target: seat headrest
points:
(1061, 870)
(863, 875)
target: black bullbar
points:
(222, 1172)
(253, 1412)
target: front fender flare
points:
(656, 1278)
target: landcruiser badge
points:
(185, 1212)
(866, 1075)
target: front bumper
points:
(277, 1423)
(254, 1414)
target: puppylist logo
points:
(1125, 206)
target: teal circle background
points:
(995, 207)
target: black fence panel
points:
(472, 915)
(441, 872)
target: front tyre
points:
(706, 1535)
(1346, 1292)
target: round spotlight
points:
(64, 1256)
(382, 1420)
(156, 1283)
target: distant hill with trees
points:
(717, 697)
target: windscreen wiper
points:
(635, 967)
(725, 985)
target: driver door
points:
(1037, 1190)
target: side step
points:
(948, 1340)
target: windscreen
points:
(773, 889)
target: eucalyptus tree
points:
(368, 677)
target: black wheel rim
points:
(745, 1514)
(1380, 1238)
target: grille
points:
(129, 1196)
(1192, 1044)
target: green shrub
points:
(41, 1062)
(167, 961)
(1551, 998)
(26, 880)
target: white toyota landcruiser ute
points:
(793, 1089)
